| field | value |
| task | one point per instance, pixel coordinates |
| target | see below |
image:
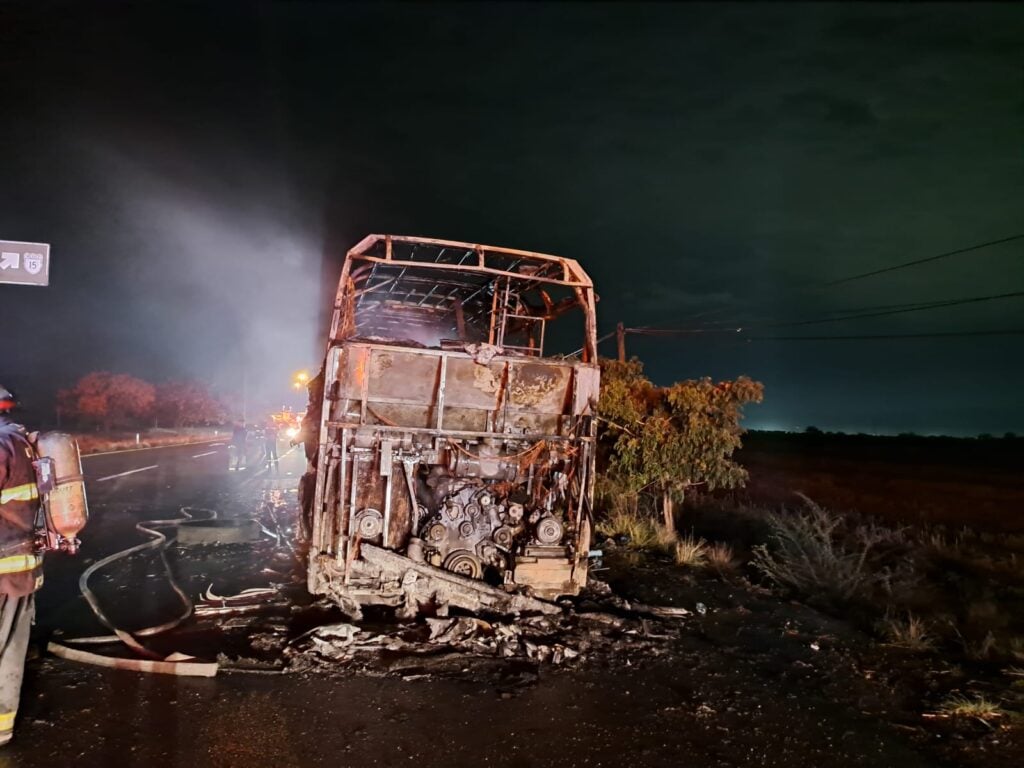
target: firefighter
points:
(270, 443)
(309, 437)
(21, 567)
(239, 446)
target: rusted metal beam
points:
(486, 270)
(369, 241)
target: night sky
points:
(200, 169)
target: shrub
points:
(977, 707)
(912, 634)
(630, 518)
(820, 554)
(637, 531)
(720, 557)
(691, 552)
(1017, 648)
(979, 650)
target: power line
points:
(926, 260)
(867, 337)
(735, 331)
(851, 337)
(878, 310)
(901, 305)
(920, 307)
(839, 313)
(678, 331)
(596, 344)
(896, 309)
(847, 314)
(763, 304)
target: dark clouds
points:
(726, 159)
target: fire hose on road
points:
(173, 664)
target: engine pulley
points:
(503, 537)
(369, 524)
(464, 563)
(549, 531)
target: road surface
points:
(699, 706)
(127, 487)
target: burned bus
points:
(455, 458)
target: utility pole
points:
(620, 335)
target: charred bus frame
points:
(455, 461)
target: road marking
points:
(200, 455)
(129, 472)
(214, 445)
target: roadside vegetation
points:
(89, 443)
(670, 497)
(911, 633)
(110, 402)
(977, 707)
(668, 441)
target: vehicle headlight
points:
(292, 431)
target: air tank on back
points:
(66, 506)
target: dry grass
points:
(984, 648)
(720, 557)
(639, 531)
(942, 546)
(633, 525)
(977, 707)
(1017, 648)
(666, 540)
(912, 633)
(691, 552)
(978, 650)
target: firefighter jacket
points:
(21, 567)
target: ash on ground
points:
(598, 628)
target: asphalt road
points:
(127, 487)
(655, 715)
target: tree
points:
(108, 399)
(186, 404)
(672, 438)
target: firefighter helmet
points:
(7, 400)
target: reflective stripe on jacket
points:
(20, 566)
(23, 492)
(19, 563)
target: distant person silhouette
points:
(270, 443)
(238, 446)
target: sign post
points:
(24, 263)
